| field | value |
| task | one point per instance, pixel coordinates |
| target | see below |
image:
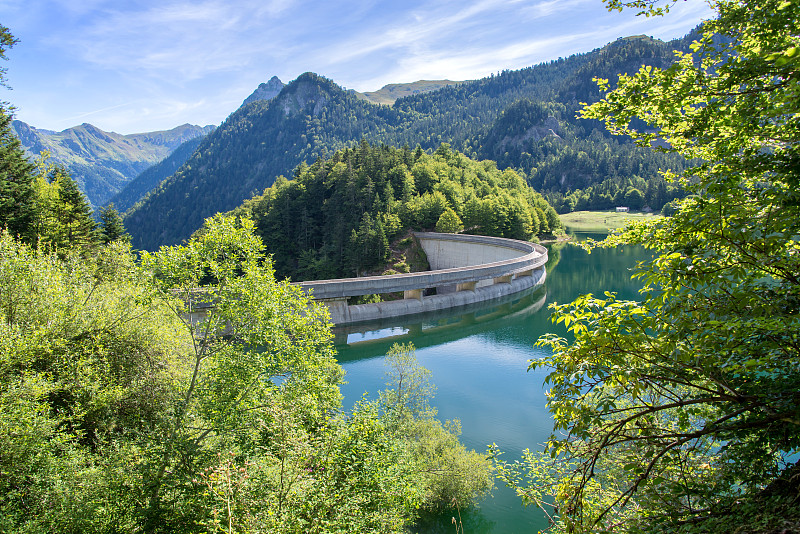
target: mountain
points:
(149, 179)
(388, 94)
(266, 91)
(250, 148)
(103, 162)
(495, 117)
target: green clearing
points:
(601, 221)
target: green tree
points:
(230, 384)
(17, 207)
(193, 393)
(111, 225)
(73, 225)
(449, 222)
(87, 359)
(447, 474)
(681, 412)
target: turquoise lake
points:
(479, 359)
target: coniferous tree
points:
(16, 172)
(75, 225)
(17, 207)
(111, 226)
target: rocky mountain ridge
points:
(266, 91)
(101, 162)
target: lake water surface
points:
(479, 357)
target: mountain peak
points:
(266, 91)
(309, 92)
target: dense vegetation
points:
(121, 411)
(506, 117)
(676, 413)
(681, 412)
(127, 405)
(337, 217)
(575, 171)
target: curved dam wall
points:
(465, 269)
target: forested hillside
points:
(582, 166)
(151, 177)
(337, 217)
(254, 145)
(485, 118)
(102, 163)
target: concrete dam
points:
(464, 269)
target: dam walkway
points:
(464, 269)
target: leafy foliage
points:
(680, 413)
(84, 393)
(193, 392)
(450, 476)
(16, 183)
(336, 217)
(449, 222)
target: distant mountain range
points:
(524, 119)
(104, 162)
(152, 176)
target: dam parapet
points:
(464, 269)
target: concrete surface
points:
(465, 269)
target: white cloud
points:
(124, 64)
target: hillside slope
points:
(149, 179)
(242, 157)
(389, 94)
(103, 162)
(313, 117)
(338, 216)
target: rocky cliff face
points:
(304, 91)
(266, 91)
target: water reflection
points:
(435, 328)
(479, 357)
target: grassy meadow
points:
(601, 221)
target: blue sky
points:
(143, 65)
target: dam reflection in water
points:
(477, 356)
(434, 328)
